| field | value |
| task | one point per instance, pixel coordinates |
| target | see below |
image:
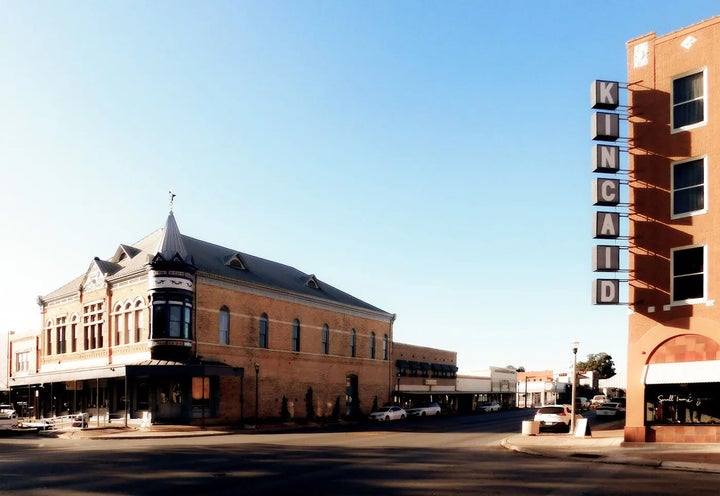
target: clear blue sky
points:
(431, 158)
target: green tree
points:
(285, 411)
(602, 363)
(516, 369)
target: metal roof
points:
(215, 260)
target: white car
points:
(598, 400)
(431, 408)
(493, 406)
(8, 417)
(610, 409)
(388, 413)
(555, 417)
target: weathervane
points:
(172, 198)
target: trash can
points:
(530, 428)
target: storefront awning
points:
(162, 368)
(682, 372)
(148, 368)
(67, 376)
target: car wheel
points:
(422, 414)
(402, 417)
(387, 417)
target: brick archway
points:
(685, 348)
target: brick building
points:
(189, 331)
(674, 241)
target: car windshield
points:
(551, 410)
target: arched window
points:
(353, 343)
(325, 339)
(127, 332)
(48, 337)
(372, 345)
(296, 335)
(263, 342)
(224, 325)
(385, 347)
(139, 322)
(119, 323)
(73, 333)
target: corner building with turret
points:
(180, 330)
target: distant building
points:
(615, 386)
(480, 387)
(536, 388)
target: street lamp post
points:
(575, 345)
(257, 395)
(9, 366)
(398, 389)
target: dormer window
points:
(312, 282)
(236, 262)
(123, 252)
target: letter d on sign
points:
(606, 292)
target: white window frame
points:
(674, 129)
(22, 361)
(703, 210)
(689, 301)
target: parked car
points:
(427, 409)
(598, 400)
(492, 406)
(555, 417)
(388, 413)
(582, 403)
(8, 417)
(610, 409)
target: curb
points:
(710, 468)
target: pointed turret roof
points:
(171, 246)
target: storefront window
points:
(682, 403)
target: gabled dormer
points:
(124, 252)
(312, 282)
(95, 276)
(236, 262)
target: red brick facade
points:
(662, 329)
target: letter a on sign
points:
(607, 225)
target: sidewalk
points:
(609, 447)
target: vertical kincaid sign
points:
(605, 128)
